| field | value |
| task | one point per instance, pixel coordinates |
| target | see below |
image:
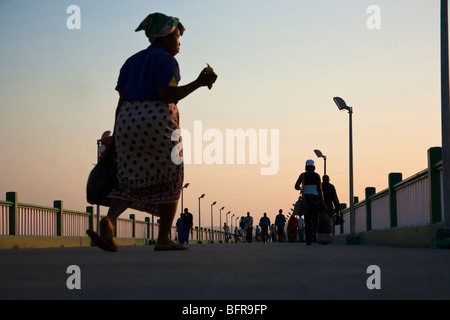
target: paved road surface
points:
(227, 272)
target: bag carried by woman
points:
(324, 223)
(300, 207)
(102, 179)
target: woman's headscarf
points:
(158, 25)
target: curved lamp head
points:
(319, 154)
(212, 204)
(202, 196)
(186, 185)
(341, 104)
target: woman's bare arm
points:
(175, 94)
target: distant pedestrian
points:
(183, 230)
(292, 228)
(249, 227)
(273, 233)
(264, 223)
(309, 182)
(226, 231)
(301, 230)
(257, 234)
(280, 222)
(243, 231)
(188, 219)
(237, 235)
(331, 200)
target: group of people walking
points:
(265, 231)
(315, 225)
(322, 205)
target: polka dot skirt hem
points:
(146, 173)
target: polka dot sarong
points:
(146, 173)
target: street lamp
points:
(226, 218)
(185, 186)
(212, 230)
(199, 220)
(232, 222)
(343, 106)
(445, 116)
(320, 155)
(220, 222)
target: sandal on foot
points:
(101, 243)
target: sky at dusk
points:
(279, 65)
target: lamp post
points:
(226, 218)
(185, 186)
(320, 155)
(445, 115)
(101, 147)
(343, 106)
(199, 220)
(212, 230)
(220, 223)
(232, 223)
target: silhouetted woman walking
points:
(310, 182)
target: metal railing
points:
(20, 219)
(415, 201)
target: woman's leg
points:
(167, 214)
(104, 238)
(107, 223)
(117, 207)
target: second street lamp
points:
(343, 106)
(226, 216)
(212, 228)
(320, 155)
(220, 223)
(185, 186)
(200, 234)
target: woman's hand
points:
(206, 78)
(175, 94)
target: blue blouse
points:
(146, 71)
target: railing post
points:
(133, 229)
(13, 213)
(370, 191)
(90, 210)
(153, 228)
(58, 204)
(394, 178)
(434, 184)
(342, 207)
(158, 224)
(147, 221)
